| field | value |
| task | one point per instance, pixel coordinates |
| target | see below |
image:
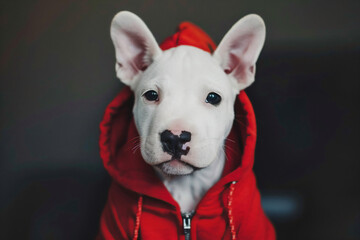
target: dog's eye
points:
(213, 98)
(151, 95)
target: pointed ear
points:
(135, 46)
(238, 51)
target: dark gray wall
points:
(57, 76)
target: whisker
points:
(230, 140)
(229, 149)
(135, 139)
(239, 118)
(135, 148)
(240, 122)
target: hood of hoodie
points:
(140, 206)
(119, 139)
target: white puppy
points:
(184, 100)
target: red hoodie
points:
(139, 205)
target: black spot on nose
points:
(185, 137)
(174, 144)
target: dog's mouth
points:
(176, 166)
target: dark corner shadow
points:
(54, 204)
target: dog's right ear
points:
(135, 46)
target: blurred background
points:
(57, 76)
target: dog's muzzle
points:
(174, 144)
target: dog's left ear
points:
(135, 46)
(240, 48)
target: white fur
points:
(183, 77)
(188, 190)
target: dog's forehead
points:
(186, 66)
(187, 61)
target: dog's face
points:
(184, 96)
(178, 93)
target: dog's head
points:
(184, 96)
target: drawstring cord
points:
(138, 215)
(229, 207)
(230, 210)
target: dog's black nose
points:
(174, 144)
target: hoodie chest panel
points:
(212, 228)
(159, 225)
(165, 225)
(162, 221)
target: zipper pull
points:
(186, 217)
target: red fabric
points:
(191, 35)
(159, 216)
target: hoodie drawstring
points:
(138, 216)
(230, 210)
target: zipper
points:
(186, 217)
